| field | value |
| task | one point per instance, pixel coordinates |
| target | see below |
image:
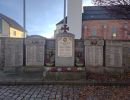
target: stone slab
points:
(35, 48)
(64, 49)
(13, 53)
(94, 52)
(113, 54)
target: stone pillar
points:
(94, 52)
(13, 54)
(35, 48)
(64, 50)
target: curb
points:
(65, 83)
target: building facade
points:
(101, 22)
(73, 19)
(10, 28)
(74, 13)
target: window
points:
(104, 24)
(14, 33)
(114, 31)
(126, 26)
(94, 31)
(85, 27)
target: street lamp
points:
(65, 28)
(24, 17)
(24, 26)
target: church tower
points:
(74, 20)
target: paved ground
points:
(8, 76)
(63, 92)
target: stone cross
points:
(65, 28)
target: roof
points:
(12, 23)
(104, 13)
(62, 21)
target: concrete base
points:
(65, 76)
(32, 69)
(10, 69)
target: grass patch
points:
(65, 76)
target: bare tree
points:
(116, 7)
(111, 2)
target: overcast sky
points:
(41, 15)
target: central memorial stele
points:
(64, 52)
(64, 49)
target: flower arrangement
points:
(65, 69)
(49, 64)
(79, 61)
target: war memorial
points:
(65, 56)
(67, 67)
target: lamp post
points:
(24, 26)
(64, 12)
(65, 28)
(24, 17)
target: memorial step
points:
(33, 69)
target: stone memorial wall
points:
(13, 53)
(113, 53)
(35, 48)
(94, 52)
(64, 51)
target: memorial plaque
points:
(64, 50)
(113, 53)
(13, 53)
(65, 47)
(35, 47)
(94, 52)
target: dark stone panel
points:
(79, 53)
(50, 52)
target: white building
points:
(74, 18)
